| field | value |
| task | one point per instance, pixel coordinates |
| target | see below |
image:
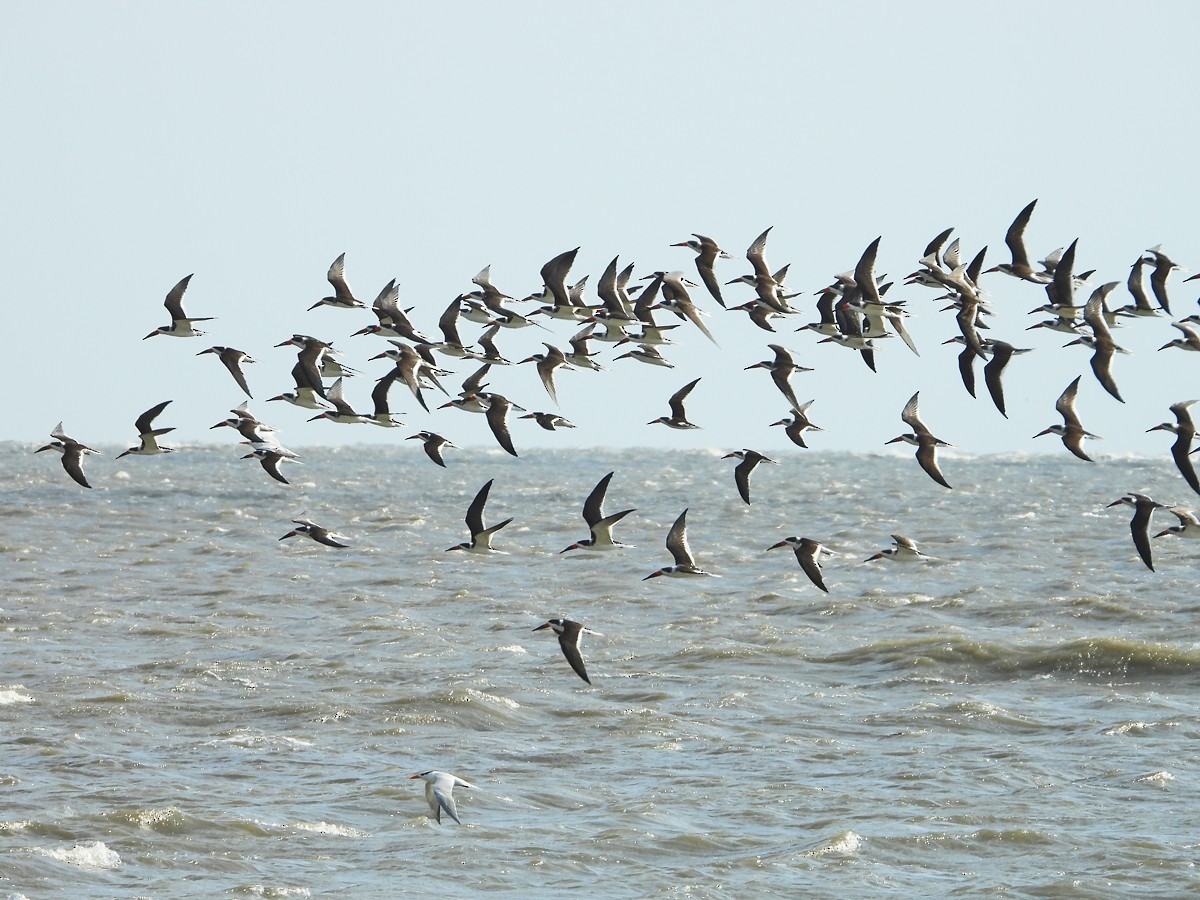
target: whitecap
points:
(328, 828)
(93, 855)
(495, 699)
(1159, 777)
(846, 842)
(1128, 728)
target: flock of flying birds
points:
(854, 312)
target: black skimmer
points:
(758, 313)
(1184, 430)
(473, 385)
(408, 368)
(848, 317)
(554, 280)
(305, 397)
(1002, 352)
(1141, 305)
(707, 254)
(741, 472)
(1060, 290)
(233, 359)
(547, 362)
(1066, 312)
(933, 250)
(781, 369)
(614, 326)
(433, 445)
(317, 533)
(952, 256)
(181, 323)
(1064, 324)
(808, 554)
(491, 353)
(148, 435)
(678, 417)
(72, 453)
(1190, 339)
(1050, 263)
(476, 403)
(677, 544)
(491, 295)
(270, 459)
(474, 311)
(616, 311)
(599, 524)
(431, 371)
(1139, 526)
(332, 368)
(498, 407)
(923, 440)
(1158, 278)
(864, 275)
(439, 793)
(881, 314)
(576, 293)
(1188, 527)
(651, 335)
(452, 344)
(676, 297)
(1015, 239)
(648, 353)
(580, 357)
(902, 550)
(343, 297)
(796, 424)
(827, 299)
(342, 413)
(1100, 340)
(549, 421)
(968, 321)
(966, 362)
(250, 428)
(481, 537)
(766, 285)
(307, 371)
(393, 321)
(568, 634)
(1071, 431)
(491, 309)
(382, 415)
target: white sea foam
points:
(1160, 777)
(92, 855)
(13, 695)
(846, 842)
(328, 828)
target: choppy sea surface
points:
(192, 707)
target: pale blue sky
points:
(253, 143)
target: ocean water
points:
(192, 707)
